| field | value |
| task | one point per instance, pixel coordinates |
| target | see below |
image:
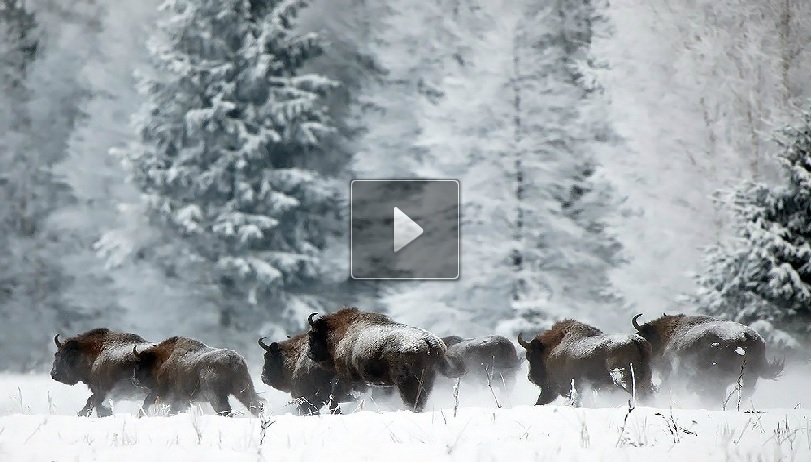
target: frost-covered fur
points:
(101, 359)
(370, 348)
(708, 353)
(288, 368)
(181, 370)
(491, 359)
(572, 351)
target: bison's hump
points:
(589, 346)
(486, 341)
(121, 350)
(725, 331)
(384, 338)
(211, 355)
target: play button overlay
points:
(404, 229)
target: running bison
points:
(488, 360)
(182, 370)
(572, 352)
(101, 359)
(708, 353)
(370, 348)
(288, 368)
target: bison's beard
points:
(67, 380)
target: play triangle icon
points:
(405, 230)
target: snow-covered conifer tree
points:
(763, 277)
(230, 142)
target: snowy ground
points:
(37, 424)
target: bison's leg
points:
(547, 395)
(644, 382)
(177, 406)
(545, 398)
(749, 383)
(415, 388)
(220, 404)
(635, 379)
(340, 391)
(87, 410)
(334, 407)
(103, 411)
(712, 391)
(150, 399)
(307, 406)
(96, 401)
(309, 398)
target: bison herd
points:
(348, 351)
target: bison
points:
(370, 348)
(574, 353)
(487, 360)
(710, 353)
(101, 359)
(180, 370)
(288, 368)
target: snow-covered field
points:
(37, 424)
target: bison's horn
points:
(523, 342)
(310, 318)
(635, 323)
(57, 342)
(263, 345)
(135, 351)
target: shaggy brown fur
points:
(181, 370)
(370, 348)
(288, 368)
(573, 351)
(490, 359)
(102, 360)
(708, 353)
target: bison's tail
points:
(772, 370)
(243, 389)
(250, 399)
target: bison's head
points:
(143, 371)
(67, 361)
(534, 354)
(318, 348)
(273, 370)
(452, 340)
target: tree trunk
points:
(518, 236)
(784, 32)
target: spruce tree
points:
(763, 277)
(229, 140)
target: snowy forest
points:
(182, 167)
